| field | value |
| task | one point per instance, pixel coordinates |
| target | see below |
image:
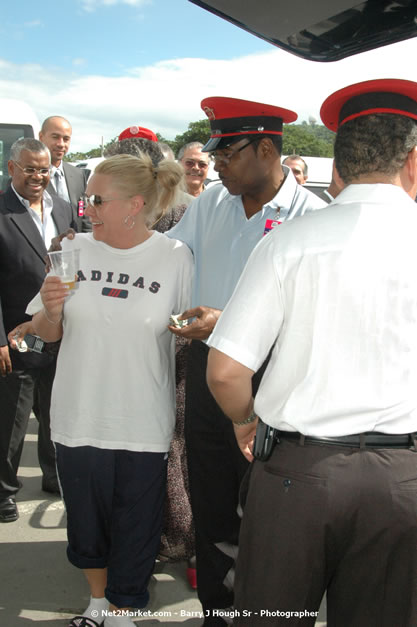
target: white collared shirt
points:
(329, 196)
(47, 227)
(337, 294)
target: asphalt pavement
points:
(38, 586)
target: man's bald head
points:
(56, 134)
(51, 120)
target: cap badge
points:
(209, 113)
(134, 130)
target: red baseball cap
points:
(138, 131)
(232, 118)
(386, 95)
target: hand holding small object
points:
(16, 335)
(205, 319)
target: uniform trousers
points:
(216, 467)
(320, 517)
(20, 391)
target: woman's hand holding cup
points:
(53, 294)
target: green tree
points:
(307, 140)
(80, 156)
(197, 132)
(90, 154)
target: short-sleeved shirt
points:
(337, 292)
(115, 380)
(221, 237)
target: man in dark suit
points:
(29, 219)
(67, 181)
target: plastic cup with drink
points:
(65, 265)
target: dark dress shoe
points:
(50, 485)
(8, 510)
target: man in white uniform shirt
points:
(335, 297)
(221, 227)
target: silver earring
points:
(131, 224)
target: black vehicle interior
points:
(321, 30)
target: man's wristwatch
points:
(251, 418)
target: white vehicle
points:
(17, 120)
(89, 164)
(319, 172)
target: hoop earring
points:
(128, 225)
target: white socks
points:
(95, 612)
(95, 609)
(119, 621)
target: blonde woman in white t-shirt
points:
(113, 401)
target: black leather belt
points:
(371, 439)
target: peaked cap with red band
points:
(387, 95)
(138, 131)
(232, 119)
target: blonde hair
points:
(138, 176)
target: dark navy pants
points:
(114, 501)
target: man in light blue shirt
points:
(222, 236)
(222, 226)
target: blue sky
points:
(110, 64)
(93, 36)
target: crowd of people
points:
(231, 381)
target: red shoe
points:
(192, 577)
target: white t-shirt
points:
(115, 380)
(337, 293)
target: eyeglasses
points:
(227, 158)
(192, 163)
(29, 170)
(96, 201)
